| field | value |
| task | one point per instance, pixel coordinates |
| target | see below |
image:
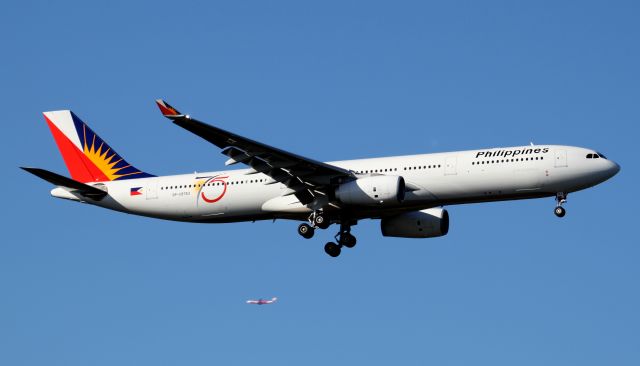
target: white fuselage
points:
(432, 180)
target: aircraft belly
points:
(239, 201)
(286, 204)
(485, 184)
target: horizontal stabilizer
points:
(59, 180)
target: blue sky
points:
(510, 284)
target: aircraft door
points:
(450, 165)
(561, 158)
(152, 190)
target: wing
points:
(307, 178)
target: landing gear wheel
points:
(348, 240)
(332, 249)
(306, 231)
(561, 198)
(321, 222)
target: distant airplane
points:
(262, 301)
(406, 193)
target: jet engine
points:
(372, 191)
(428, 223)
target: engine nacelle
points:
(417, 224)
(372, 191)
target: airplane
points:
(406, 193)
(262, 301)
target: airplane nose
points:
(614, 168)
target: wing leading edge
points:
(307, 178)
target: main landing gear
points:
(319, 220)
(560, 199)
(316, 220)
(343, 238)
(306, 231)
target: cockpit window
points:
(595, 156)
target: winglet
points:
(167, 110)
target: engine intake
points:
(372, 191)
(428, 223)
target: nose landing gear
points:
(560, 199)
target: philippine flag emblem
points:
(135, 191)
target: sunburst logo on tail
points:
(100, 154)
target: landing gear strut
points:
(560, 199)
(344, 239)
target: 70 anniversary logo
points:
(212, 181)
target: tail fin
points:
(88, 157)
